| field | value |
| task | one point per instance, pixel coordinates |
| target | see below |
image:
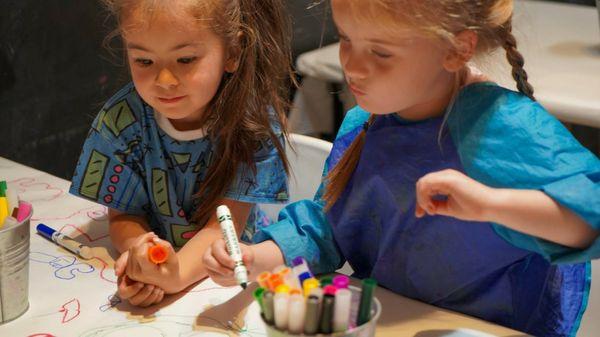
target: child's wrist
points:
(495, 205)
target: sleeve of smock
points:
(270, 183)
(302, 228)
(105, 172)
(522, 146)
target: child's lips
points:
(356, 91)
(173, 99)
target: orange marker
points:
(158, 254)
(263, 279)
(274, 281)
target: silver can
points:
(365, 330)
(14, 270)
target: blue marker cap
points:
(45, 231)
(304, 276)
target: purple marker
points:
(300, 266)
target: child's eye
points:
(380, 54)
(143, 62)
(186, 60)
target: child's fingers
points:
(214, 267)
(142, 295)
(247, 256)
(419, 211)
(121, 263)
(127, 289)
(145, 238)
(423, 196)
(152, 298)
(219, 252)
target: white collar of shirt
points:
(165, 124)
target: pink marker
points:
(341, 281)
(329, 290)
(24, 210)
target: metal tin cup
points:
(14, 270)
(598, 8)
(365, 330)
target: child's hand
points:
(219, 264)
(121, 263)
(140, 268)
(138, 293)
(465, 198)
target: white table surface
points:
(561, 47)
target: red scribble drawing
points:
(97, 213)
(28, 183)
(86, 235)
(41, 335)
(103, 270)
(70, 310)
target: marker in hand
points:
(158, 254)
(233, 246)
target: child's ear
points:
(234, 55)
(462, 52)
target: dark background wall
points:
(55, 74)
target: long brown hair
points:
(248, 100)
(441, 19)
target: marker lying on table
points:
(158, 254)
(64, 241)
(233, 246)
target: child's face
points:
(392, 71)
(176, 65)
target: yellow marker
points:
(3, 210)
(282, 288)
(310, 284)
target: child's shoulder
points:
(503, 136)
(122, 114)
(486, 108)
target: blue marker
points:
(64, 241)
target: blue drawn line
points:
(67, 266)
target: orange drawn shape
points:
(158, 254)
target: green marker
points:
(366, 300)
(326, 324)
(311, 321)
(258, 296)
(269, 310)
(327, 280)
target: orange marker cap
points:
(274, 281)
(263, 279)
(158, 254)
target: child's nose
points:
(355, 67)
(166, 79)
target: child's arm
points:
(528, 211)
(125, 229)
(187, 266)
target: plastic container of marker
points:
(14, 269)
(365, 330)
